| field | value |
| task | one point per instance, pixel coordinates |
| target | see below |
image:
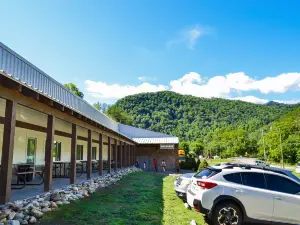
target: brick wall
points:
(149, 152)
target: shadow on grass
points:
(136, 199)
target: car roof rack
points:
(266, 168)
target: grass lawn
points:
(217, 161)
(297, 174)
(140, 198)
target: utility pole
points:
(280, 142)
(281, 148)
(263, 139)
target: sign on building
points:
(166, 146)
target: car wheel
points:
(227, 213)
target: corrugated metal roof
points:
(135, 132)
(25, 72)
(22, 71)
(143, 136)
(158, 140)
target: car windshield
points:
(206, 173)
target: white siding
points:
(105, 152)
(104, 138)
(2, 107)
(65, 147)
(82, 131)
(95, 136)
(20, 146)
(62, 125)
(31, 116)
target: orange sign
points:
(180, 152)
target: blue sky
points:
(233, 49)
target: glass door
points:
(79, 153)
(94, 153)
(57, 151)
(31, 149)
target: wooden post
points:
(100, 168)
(108, 157)
(7, 151)
(115, 155)
(133, 158)
(134, 153)
(49, 153)
(121, 154)
(73, 154)
(89, 156)
(126, 154)
(129, 155)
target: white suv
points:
(239, 194)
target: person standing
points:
(137, 164)
(155, 164)
(177, 166)
(163, 165)
(145, 165)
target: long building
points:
(43, 124)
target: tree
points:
(185, 146)
(203, 164)
(118, 115)
(104, 107)
(197, 148)
(72, 87)
(97, 105)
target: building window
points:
(57, 151)
(79, 153)
(94, 153)
(31, 147)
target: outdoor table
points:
(25, 168)
(84, 165)
(79, 168)
(105, 164)
(24, 173)
(57, 169)
(95, 165)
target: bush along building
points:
(48, 133)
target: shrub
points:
(202, 165)
(188, 164)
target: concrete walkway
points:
(57, 183)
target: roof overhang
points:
(157, 140)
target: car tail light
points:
(197, 208)
(206, 184)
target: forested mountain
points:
(282, 133)
(191, 117)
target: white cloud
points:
(293, 101)
(145, 78)
(188, 36)
(251, 99)
(223, 86)
(104, 91)
(192, 84)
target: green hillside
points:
(191, 117)
(288, 127)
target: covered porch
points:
(40, 152)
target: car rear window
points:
(206, 173)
